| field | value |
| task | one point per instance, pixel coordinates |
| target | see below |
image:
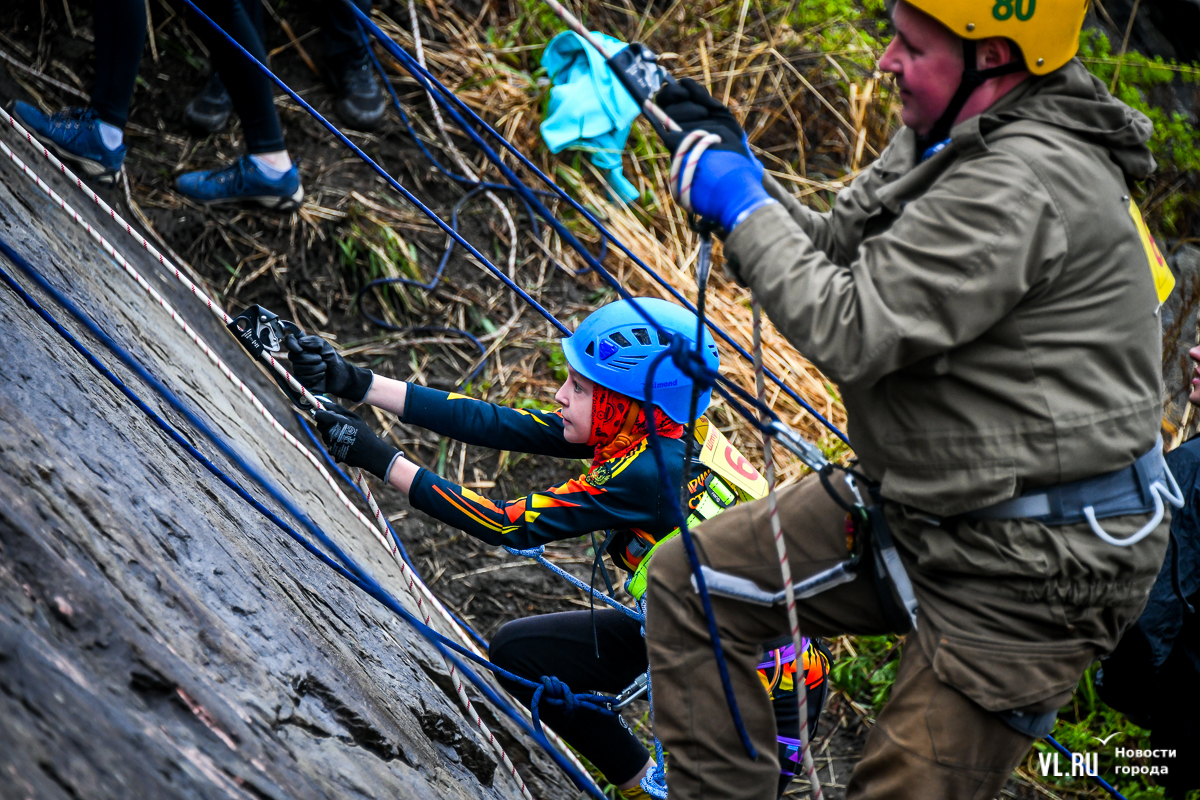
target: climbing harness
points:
(639, 66)
(1137, 489)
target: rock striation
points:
(158, 637)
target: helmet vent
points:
(663, 339)
(642, 335)
(590, 349)
(625, 363)
(620, 339)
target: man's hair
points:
(1015, 53)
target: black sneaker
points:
(360, 99)
(208, 112)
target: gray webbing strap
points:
(885, 549)
(722, 584)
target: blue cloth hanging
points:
(589, 109)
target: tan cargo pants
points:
(930, 742)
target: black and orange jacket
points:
(621, 493)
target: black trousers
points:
(120, 30)
(252, 92)
(562, 645)
(341, 38)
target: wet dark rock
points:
(158, 637)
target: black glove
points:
(351, 441)
(318, 367)
(690, 105)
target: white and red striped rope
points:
(415, 587)
(785, 568)
(686, 159)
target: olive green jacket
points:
(989, 315)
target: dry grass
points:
(815, 117)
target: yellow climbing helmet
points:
(1047, 31)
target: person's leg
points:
(930, 740)
(343, 44)
(691, 717)
(120, 30)
(267, 175)
(361, 101)
(92, 137)
(251, 91)
(209, 110)
(562, 645)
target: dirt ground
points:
(293, 264)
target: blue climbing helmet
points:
(615, 346)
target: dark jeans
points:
(562, 645)
(341, 37)
(120, 29)
(251, 91)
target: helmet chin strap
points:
(972, 79)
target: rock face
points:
(158, 637)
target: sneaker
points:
(208, 111)
(242, 181)
(360, 99)
(74, 135)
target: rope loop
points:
(557, 693)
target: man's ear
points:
(995, 51)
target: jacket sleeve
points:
(488, 425)
(954, 261)
(564, 511)
(815, 224)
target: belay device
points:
(259, 330)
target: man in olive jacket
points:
(986, 297)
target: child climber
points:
(602, 418)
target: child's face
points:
(575, 397)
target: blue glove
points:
(727, 188)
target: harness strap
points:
(1139, 488)
(888, 560)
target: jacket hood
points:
(1075, 100)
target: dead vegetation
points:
(801, 79)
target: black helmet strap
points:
(972, 79)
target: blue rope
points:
(569, 237)
(428, 82)
(337, 470)
(531, 199)
(351, 571)
(462, 179)
(690, 546)
(391, 181)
